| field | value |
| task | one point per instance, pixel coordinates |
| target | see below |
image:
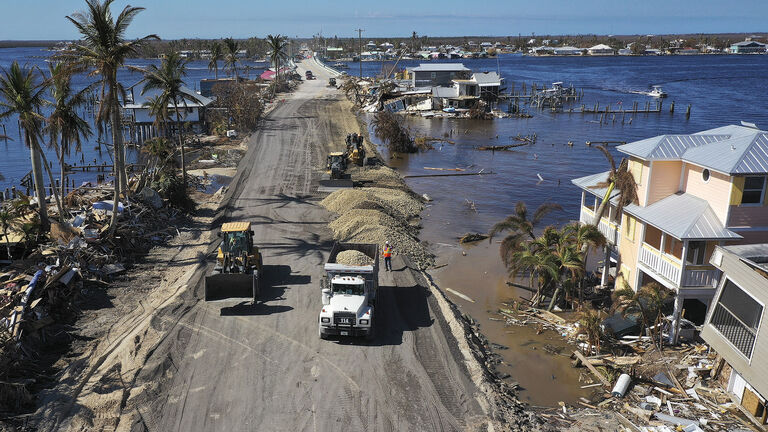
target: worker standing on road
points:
(387, 251)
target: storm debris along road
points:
(233, 365)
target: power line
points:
(360, 49)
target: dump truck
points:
(349, 293)
(238, 267)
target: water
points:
(721, 89)
(14, 156)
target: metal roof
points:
(589, 183)
(139, 100)
(485, 79)
(683, 216)
(668, 147)
(440, 67)
(236, 226)
(742, 155)
(732, 149)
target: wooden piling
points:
(688, 112)
(672, 107)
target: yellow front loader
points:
(238, 265)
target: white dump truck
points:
(349, 292)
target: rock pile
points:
(353, 258)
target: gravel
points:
(353, 258)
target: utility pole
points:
(360, 48)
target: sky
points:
(174, 19)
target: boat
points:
(340, 66)
(657, 92)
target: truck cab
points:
(349, 295)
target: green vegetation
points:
(554, 261)
(647, 304)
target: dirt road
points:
(234, 366)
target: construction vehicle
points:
(308, 75)
(336, 165)
(238, 267)
(349, 293)
(355, 149)
(331, 82)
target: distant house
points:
(464, 93)
(736, 325)
(136, 107)
(689, 51)
(207, 85)
(748, 47)
(334, 52)
(437, 74)
(542, 50)
(601, 50)
(567, 50)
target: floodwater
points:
(14, 156)
(721, 90)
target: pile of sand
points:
(353, 258)
(376, 215)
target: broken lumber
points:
(591, 368)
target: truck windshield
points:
(348, 289)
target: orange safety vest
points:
(387, 251)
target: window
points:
(737, 317)
(630, 224)
(653, 237)
(433, 75)
(705, 175)
(696, 250)
(673, 246)
(753, 190)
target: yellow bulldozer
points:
(238, 265)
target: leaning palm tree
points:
(168, 78)
(65, 126)
(22, 95)
(584, 237)
(519, 223)
(277, 53)
(102, 51)
(217, 55)
(231, 47)
(8, 218)
(620, 179)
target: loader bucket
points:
(231, 285)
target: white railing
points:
(701, 278)
(609, 230)
(663, 265)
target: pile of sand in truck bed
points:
(353, 258)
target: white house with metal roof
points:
(601, 50)
(695, 192)
(437, 74)
(136, 110)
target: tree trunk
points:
(62, 177)
(554, 298)
(37, 177)
(54, 192)
(601, 208)
(181, 145)
(119, 168)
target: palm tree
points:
(169, 80)
(102, 51)
(8, 217)
(519, 224)
(64, 125)
(23, 92)
(584, 237)
(217, 55)
(647, 303)
(590, 326)
(277, 53)
(231, 47)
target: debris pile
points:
(640, 385)
(353, 258)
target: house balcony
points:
(609, 229)
(675, 273)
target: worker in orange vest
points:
(387, 251)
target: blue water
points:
(721, 90)
(14, 156)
